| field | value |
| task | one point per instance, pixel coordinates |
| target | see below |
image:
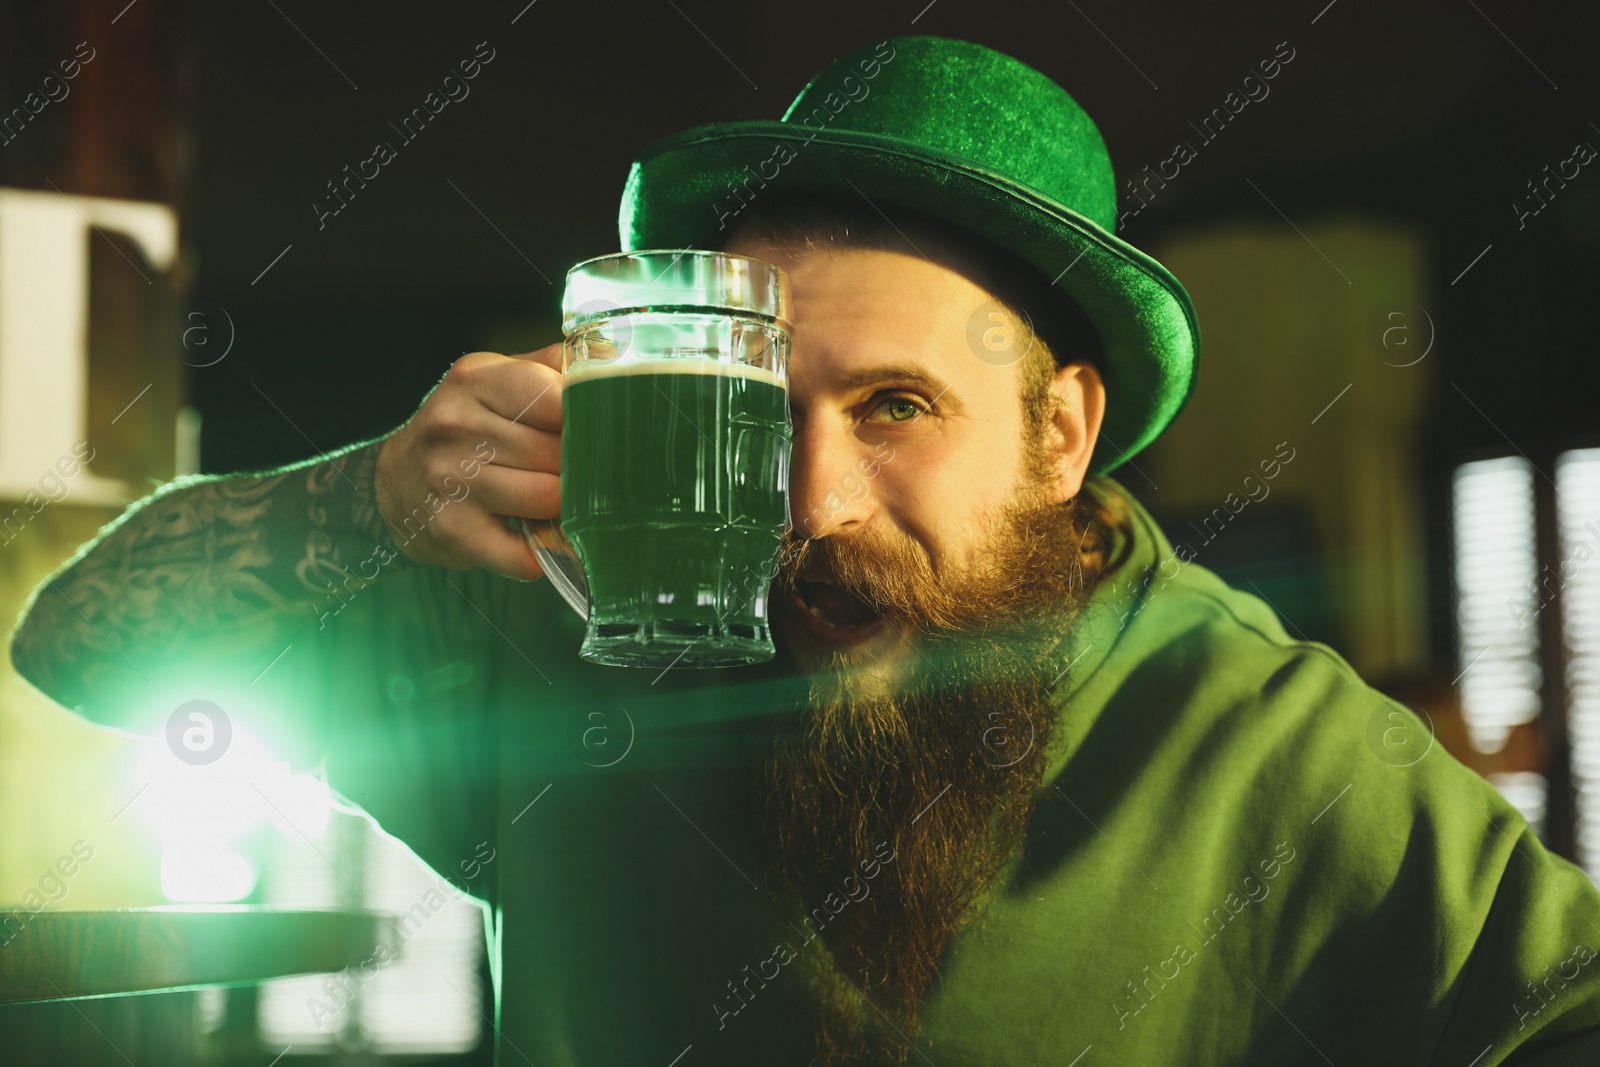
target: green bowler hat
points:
(977, 139)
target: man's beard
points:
(888, 807)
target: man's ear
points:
(1070, 435)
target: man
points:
(1024, 786)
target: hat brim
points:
(681, 193)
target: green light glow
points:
(205, 875)
(197, 811)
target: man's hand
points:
(484, 445)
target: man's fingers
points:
(521, 388)
(463, 536)
(504, 551)
(508, 491)
(486, 443)
(514, 444)
(524, 393)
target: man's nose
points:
(830, 477)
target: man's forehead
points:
(872, 316)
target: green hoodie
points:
(1241, 853)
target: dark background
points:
(1424, 112)
(1434, 115)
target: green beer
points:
(674, 479)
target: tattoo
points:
(204, 566)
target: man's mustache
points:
(892, 577)
(895, 577)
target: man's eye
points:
(902, 407)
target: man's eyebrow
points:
(892, 372)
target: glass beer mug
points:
(674, 456)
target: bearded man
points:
(1022, 787)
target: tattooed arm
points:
(213, 569)
(215, 566)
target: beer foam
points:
(582, 370)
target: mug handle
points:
(560, 563)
